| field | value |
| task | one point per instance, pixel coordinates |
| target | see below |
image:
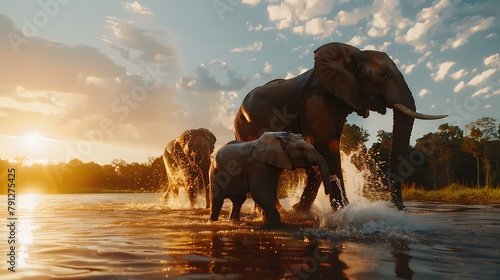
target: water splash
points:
(182, 201)
(367, 215)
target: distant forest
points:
(437, 160)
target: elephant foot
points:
(336, 205)
(234, 217)
(300, 208)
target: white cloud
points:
(408, 68)
(423, 92)
(380, 24)
(302, 16)
(157, 47)
(224, 110)
(250, 2)
(428, 18)
(219, 62)
(473, 25)
(480, 78)
(481, 91)
(459, 86)
(382, 48)
(136, 7)
(492, 60)
(459, 74)
(415, 35)
(321, 27)
(257, 46)
(267, 68)
(442, 70)
(432, 11)
(265, 73)
(356, 41)
(352, 17)
(281, 15)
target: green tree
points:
(441, 150)
(479, 143)
(381, 149)
(353, 138)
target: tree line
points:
(436, 160)
(76, 176)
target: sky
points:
(103, 80)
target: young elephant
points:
(187, 162)
(242, 167)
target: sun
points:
(33, 141)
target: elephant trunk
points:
(317, 159)
(204, 170)
(401, 132)
(404, 114)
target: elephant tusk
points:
(410, 113)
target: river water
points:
(138, 236)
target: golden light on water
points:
(27, 204)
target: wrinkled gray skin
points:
(187, 162)
(317, 102)
(254, 167)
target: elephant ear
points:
(270, 149)
(334, 68)
(209, 135)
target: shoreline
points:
(454, 194)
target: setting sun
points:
(33, 141)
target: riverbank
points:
(453, 193)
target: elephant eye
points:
(384, 76)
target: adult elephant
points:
(254, 167)
(316, 103)
(187, 162)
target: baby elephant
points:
(243, 167)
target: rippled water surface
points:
(137, 236)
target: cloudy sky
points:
(104, 80)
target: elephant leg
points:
(338, 198)
(238, 201)
(192, 187)
(191, 192)
(216, 205)
(266, 201)
(310, 191)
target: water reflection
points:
(120, 236)
(399, 250)
(27, 204)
